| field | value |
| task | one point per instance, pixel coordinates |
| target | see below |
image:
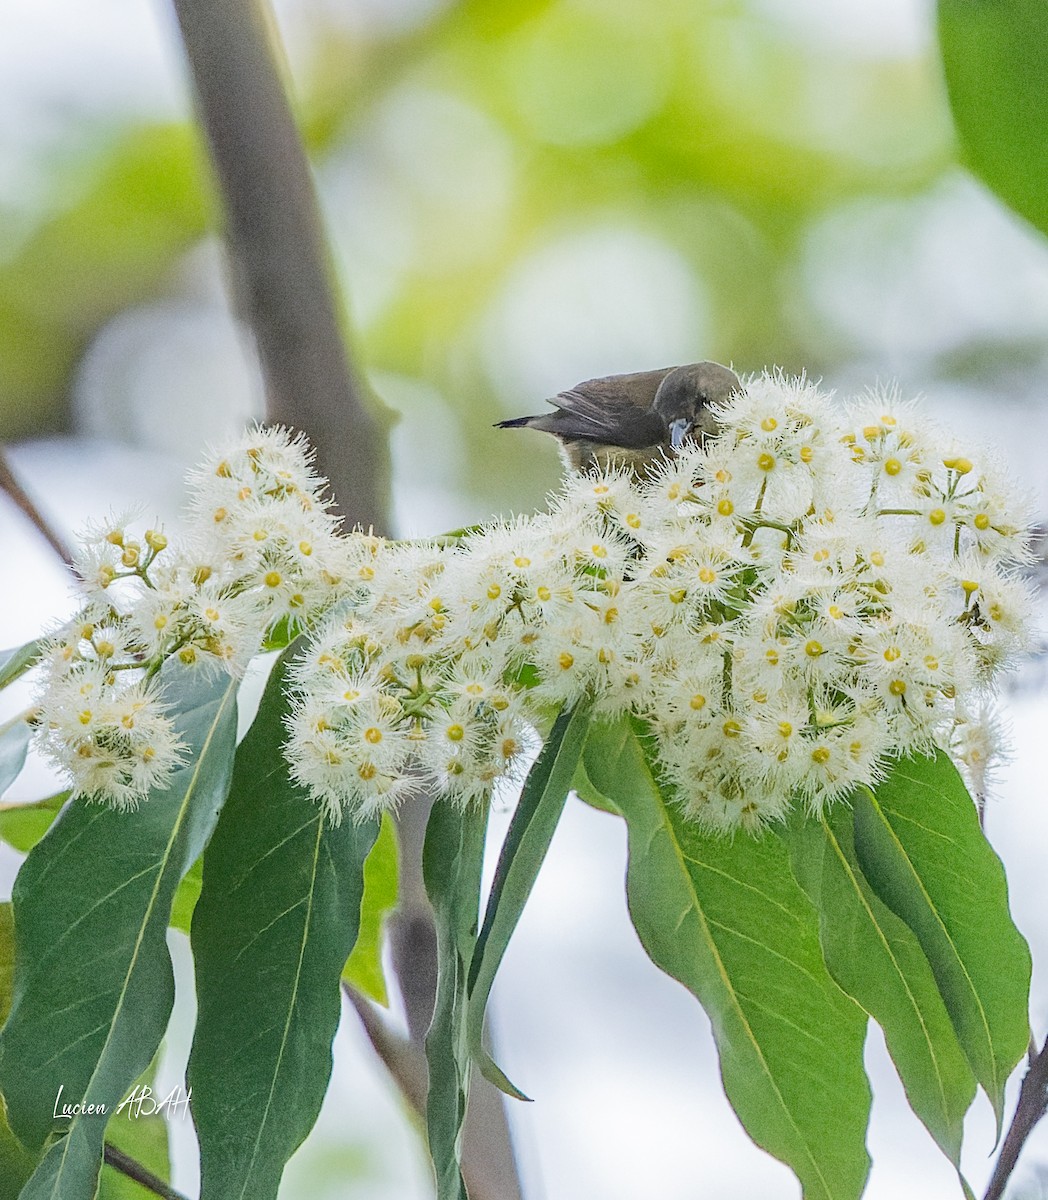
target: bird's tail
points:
(514, 423)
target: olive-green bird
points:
(633, 420)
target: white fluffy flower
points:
(108, 730)
(818, 589)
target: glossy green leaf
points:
(14, 743)
(15, 662)
(23, 825)
(875, 958)
(93, 983)
(727, 919)
(523, 852)
(451, 867)
(919, 844)
(16, 1163)
(363, 969)
(274, 925)
(996, 71)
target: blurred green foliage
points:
(109, 246)
(464, 156)
(996, 62)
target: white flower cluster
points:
(815, 591)
(263, 554)
(819, 589)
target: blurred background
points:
(520, 194)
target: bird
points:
(633, 420)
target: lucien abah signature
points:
(139, 1102)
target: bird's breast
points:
(588, 456)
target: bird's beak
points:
(679, 430)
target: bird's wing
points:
(614, 409)
(637, 388)
(605, 414)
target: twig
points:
(10, 485)
(402, 1058)
(488, 1175)
(1033, 1102)
(284, 277)
(133, 1169)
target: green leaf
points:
(728, 920)
(282, 634)
(93, 982)
(920, 846)
(14, 742)
(16, 1163)
(997, 78)
(14, 663)
(186, 896)
(140, 1132)
(274, 925)
(451, 867)
(588, 792)
(363, 969)
(7, 958)
(530, 832)
(23, 825)
(877, 960)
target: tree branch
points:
(405, 1061)
(133, 1169)
(10, 485)
(284, 276)
(1033, 1102)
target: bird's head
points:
(685, 395)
